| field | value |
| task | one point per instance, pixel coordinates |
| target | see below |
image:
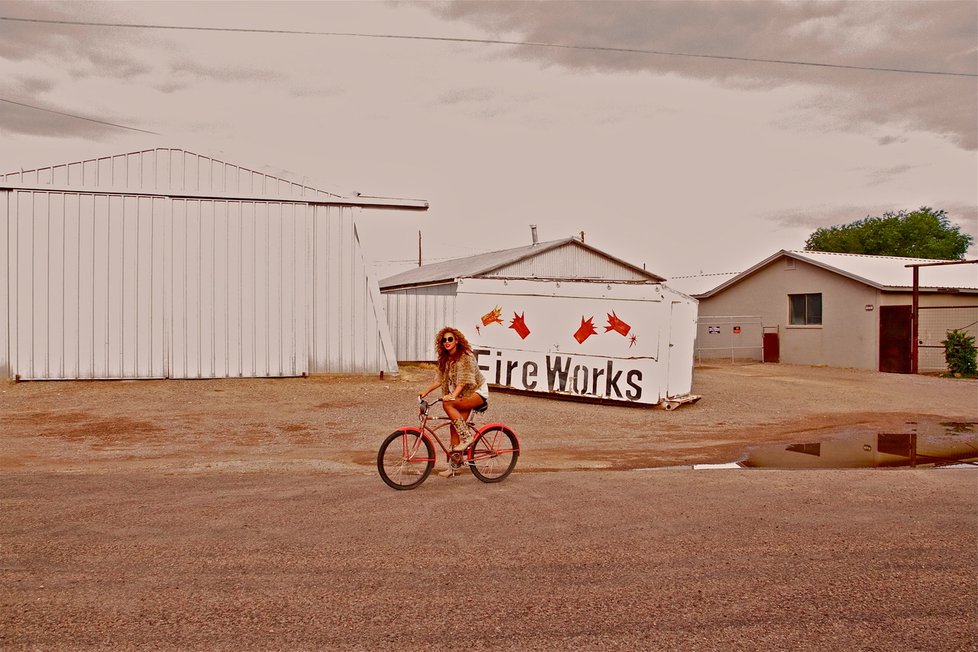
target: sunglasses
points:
(446, 340)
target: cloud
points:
(817, 217)
(16, 119)
(880, 177)
(316, 91)
(466, 95)
(200, 72)
(35, 85)
(889, 140)
(908, 35)
(84, 51)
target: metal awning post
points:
(915, 319)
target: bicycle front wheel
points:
(405, 459)
(493, 454)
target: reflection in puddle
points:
(931, 444)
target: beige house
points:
(845, 310)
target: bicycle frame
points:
(491, 455)
(428, 432)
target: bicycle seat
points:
(482, 408)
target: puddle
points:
(922, 444)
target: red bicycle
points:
(406, 457)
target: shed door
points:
(682, 330)
(237, 286)
(896, 335)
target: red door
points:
(772, 347)
(896, 335)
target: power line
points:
(79, 117)
(593, 48)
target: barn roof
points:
(886, 273)
(449, 270)
(176, 172)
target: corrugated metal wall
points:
(349, 325)
(85, 279)
(415, 315)
(237, 300)
(569, 262)
(123, 285)
(6, 267)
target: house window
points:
(805, 309)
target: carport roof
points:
(886, 273)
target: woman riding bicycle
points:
(462, 384)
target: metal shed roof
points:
(479, 264)
(887, 273)
(175, 172)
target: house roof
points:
(449, 270)
(887, 273)
(696, 284)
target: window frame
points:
(809, 313)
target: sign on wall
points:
(599, 340)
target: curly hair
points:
(462, 347)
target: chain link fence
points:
(935, 322)
(734, 338)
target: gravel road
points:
(246, 514)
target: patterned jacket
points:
(463, 370)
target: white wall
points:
(415, 315)
(110, 285)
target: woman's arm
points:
(458, 390)
(435, 385)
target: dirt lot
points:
(336, 423)
(231, 515)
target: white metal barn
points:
(422, 300)
(163, 263)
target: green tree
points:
(924, 233)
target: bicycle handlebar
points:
(423, 405)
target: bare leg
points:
(462, 408)
(458, 411)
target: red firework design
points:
(519, 325)
(617, 325)
(493, 316)
(586, 330)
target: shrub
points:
(960, 353)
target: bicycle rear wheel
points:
(493, 454)
(405, 459)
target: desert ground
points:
(247, 514)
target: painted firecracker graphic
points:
(493, 316)
(617, 325)
(585, 330)
(519, 325)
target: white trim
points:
(362, 201)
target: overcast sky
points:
(681, 163)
